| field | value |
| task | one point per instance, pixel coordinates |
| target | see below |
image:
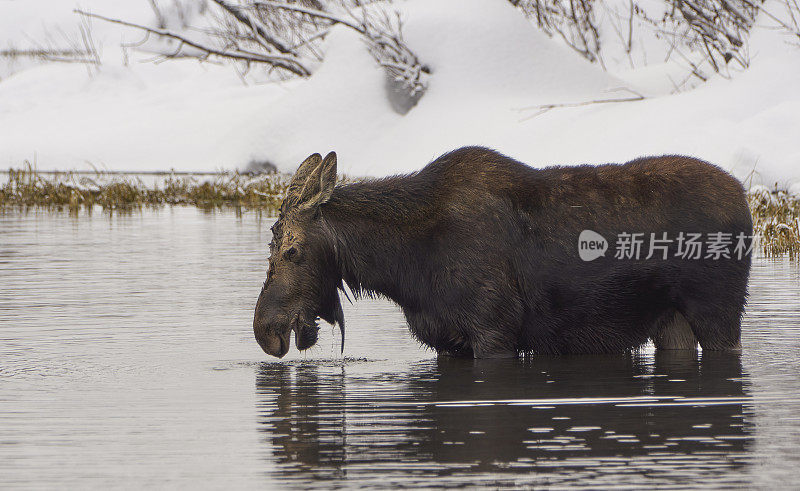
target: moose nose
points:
(271, 326)
(274, 344)
(274, 341)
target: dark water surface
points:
(127, 358)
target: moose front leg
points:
(492, 322)
(495, 354)
(495, 336)
(463, 352)
(484, 327)
(470, 352)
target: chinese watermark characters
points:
(638, 245)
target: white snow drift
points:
(491, 73)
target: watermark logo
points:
(636, 246)
(591, 245)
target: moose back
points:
(483, 254)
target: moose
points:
(480, 252)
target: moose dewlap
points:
(488, 257)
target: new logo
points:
(591, 245)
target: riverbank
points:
(776, 221)
(76, 190)
(776, 214)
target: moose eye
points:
(290, 253)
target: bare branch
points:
(543, 108)
(253, 24)
(382, 36)
(281, 61)
(285, 35)
(162, 22)
(317, 35)
(312, 12)
(60, 56)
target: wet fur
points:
(480, 252)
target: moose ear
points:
(300, 178)
(319, 186)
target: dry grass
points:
(776, 222)
(26, 187)
(776, 214)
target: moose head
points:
(302, 276)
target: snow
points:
(491, 70)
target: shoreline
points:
(776, 214)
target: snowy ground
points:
(490, 70)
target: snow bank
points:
(130, 114)
(486, 62)
(490, 71)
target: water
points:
(127, 358)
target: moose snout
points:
(272, 330)
(273, 343)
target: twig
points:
(543, 108)
(282, 61)
(162, 22)
(248, 21)
(312, 12)
(319, 34)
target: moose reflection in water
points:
(676, 416)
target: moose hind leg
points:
(716, 325)
(674, 333)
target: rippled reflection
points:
(679, 416)
(127, 358)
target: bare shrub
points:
(60, 47)
(286, 37)
(707, 35)
(572, 20)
